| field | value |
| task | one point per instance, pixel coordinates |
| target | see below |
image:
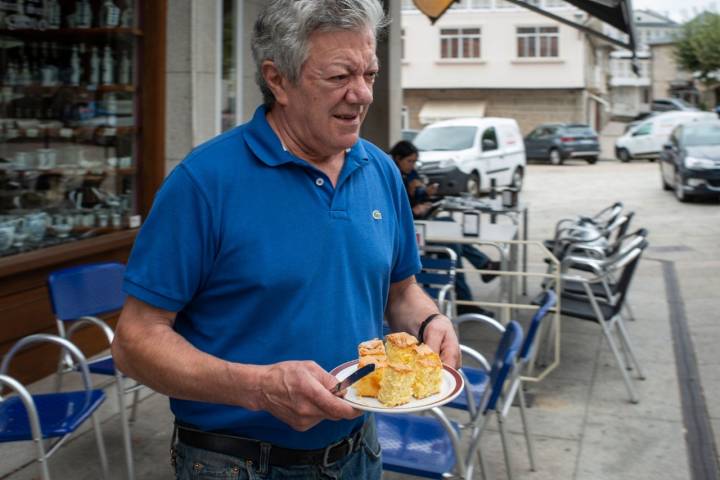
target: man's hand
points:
(298, 394)
(440, 336)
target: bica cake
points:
(369, 385)
(428, 372)
(400, 348)
(396, 387)
(371, 347)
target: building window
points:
(402, 44)
(460, 42)
(537, 42)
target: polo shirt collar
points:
(268, 148)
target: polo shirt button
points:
(319, 182)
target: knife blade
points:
(354, 377)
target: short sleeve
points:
(174, 250)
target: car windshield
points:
(696, 135)
(446, 138)
(578, 130)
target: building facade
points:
(492, 58)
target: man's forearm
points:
(151, 352)
(408, 306)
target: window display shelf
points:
(72, 33)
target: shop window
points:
(69, 118)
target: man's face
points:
(329, 103)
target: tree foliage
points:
(698, 49)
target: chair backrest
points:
(503, 362)
(549, 300)
(628, 265)
(86, 290)
(437, 276)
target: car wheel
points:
(592, 160)
(517, 179)
(679, 191)
(555, 157)
(651, 160)
(624, 155)
(473, 185)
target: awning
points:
(436, 110)
(617, 13)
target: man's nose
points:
(360, 92)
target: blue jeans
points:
(363, 464)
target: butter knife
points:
(354, 377)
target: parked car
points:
(558, 142)
(672, 104)
(408, 134)
(647, 139)
(690, 160)
(638, 119)
(468, 154)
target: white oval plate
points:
(451, 386)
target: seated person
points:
(405, 154)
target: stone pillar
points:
(382, 124)
(191, 81)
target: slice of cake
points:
(400, 348)
(428, 372)
(369, 385)
(396, 387)
(371, 347)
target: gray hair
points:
(283, 28)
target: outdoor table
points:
(496, 234)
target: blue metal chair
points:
(477, 379)
(430, 446)
(438, 276)
(78, 295)
(38, 417)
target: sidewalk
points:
(584, 426)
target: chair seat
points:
(415, 445)
(102, 366)
(59, 413)
(477, 384)
(573, 286)
(582, 309)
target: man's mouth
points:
(347, 117)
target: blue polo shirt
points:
(265, 261)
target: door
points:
(641, 139)
(492, 157)
(532, 143)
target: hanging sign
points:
(433, 9)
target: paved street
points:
(585, 427)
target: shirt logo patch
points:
(377, 215)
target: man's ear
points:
(275, 81)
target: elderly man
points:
(273, 250)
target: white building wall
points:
(499, 66)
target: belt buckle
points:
(326, 453)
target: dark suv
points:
(558, 142)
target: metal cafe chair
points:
(606, 312)
(437, 276)
(57, 415)
(78, 295)
(477, 379)
(430, 446)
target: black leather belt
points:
(257, 451)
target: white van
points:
(466, 154)
(646, 140)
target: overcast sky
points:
(678, 10)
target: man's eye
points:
(339, 78)
(371, 75)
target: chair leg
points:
(625, 338)
(42, 459)
(526, 428)
(124, 425)
(133, 408)
(100, 446)
(620, 362)
(505, 446)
